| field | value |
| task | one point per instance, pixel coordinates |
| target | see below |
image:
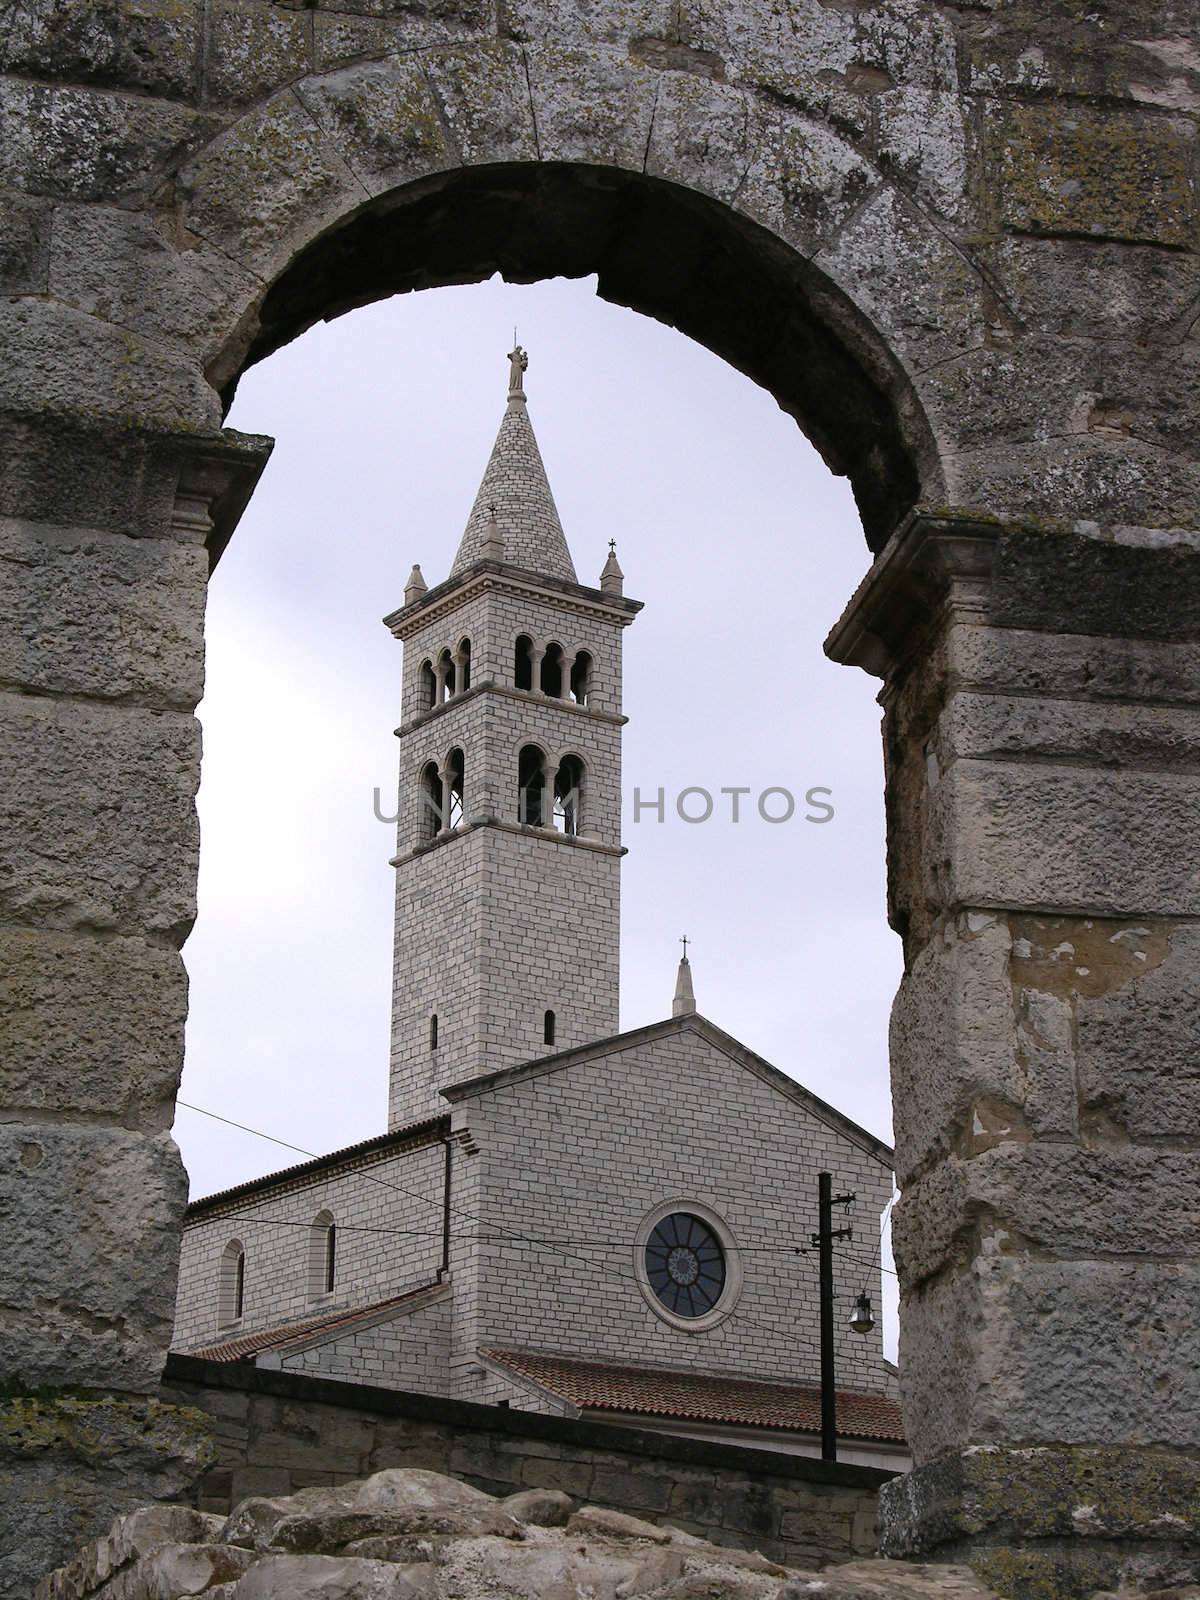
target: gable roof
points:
(416, 1136)
(698, 1396)
(313, 1330)
(762, 1069)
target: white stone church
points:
(562, 1217)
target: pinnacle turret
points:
(684, 1003)
(514, 510)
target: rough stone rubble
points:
(409, 1534)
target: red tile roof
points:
(245, 1346)
(700, 1397)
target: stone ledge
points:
(470, 1417)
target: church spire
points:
(514, 509)
(684, 1003)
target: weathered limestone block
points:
(85, 472)
(90, 1027)
(340, 35)
(97, 614)
(1094, 289)
(126, 268)
(1009, 1330)
(923, 145)
(1049, 1522)
(253, 49)
(1049, 1198)
(1101, 478)
(97, 817)
(590, 105)
(382, 119)
(1139, 1070)
(996, 726)
(804, 183)
(909, 278)
(1080, 170)
(68, 1467)
(434, 18)
(78, 145)
(152, 45)
(134, 380)
(1075, 666)
(704, 134)
(954, 1072)
(483, 95)
(24, 243)
(618, 23)
(1092, 828)
(90, 1295)
(266, 185)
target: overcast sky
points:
(744, 549)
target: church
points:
(561, 1217)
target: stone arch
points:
(972, 279)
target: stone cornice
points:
(544, 835)
(528, 696)
(936, 564)
(497, 577)
(217, 476)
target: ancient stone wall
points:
(958, 243)
(277, 1432)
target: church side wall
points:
(398, 1248)
(582, 1155)
(410, 1351)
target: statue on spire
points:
(518, 361)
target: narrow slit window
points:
(548, 1028)
(433, 1031)
(330, 1257)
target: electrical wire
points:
(507, 1236)
(503, 1237)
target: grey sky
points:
(744, 549)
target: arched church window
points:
(322, 1255)
(445, 676)
(430, 820)
(523, 662)
(581, 678)
(568, 795)
(231, 1284)
(452, 788)
(548, 1028)
(531, 784)
(552, 671)
(463, 665)
(428, 684)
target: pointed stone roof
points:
(684, 1002)
(514, 503)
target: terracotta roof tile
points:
(700, 1397)
(244, 1346)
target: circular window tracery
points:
(685, 1264)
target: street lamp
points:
(862, 1319)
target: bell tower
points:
(509, 835)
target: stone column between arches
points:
(103, 571)
(1042, 734)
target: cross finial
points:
(612, 547)
(685, 941)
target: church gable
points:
(586, 1164)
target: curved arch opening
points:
(658, 248)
